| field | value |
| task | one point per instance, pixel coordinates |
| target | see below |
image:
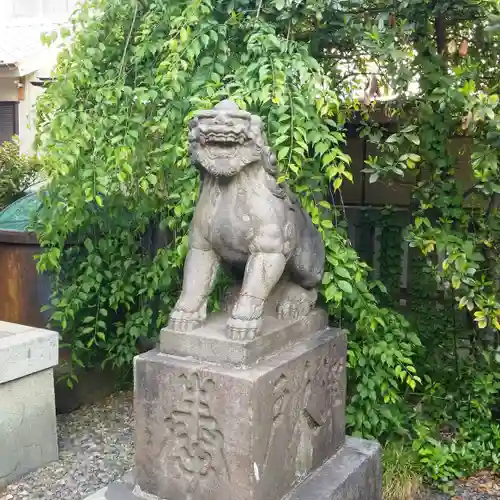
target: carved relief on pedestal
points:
(329, 381)
(303, 406)
(196, 440)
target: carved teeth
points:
(223, 138)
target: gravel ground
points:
(96, 447)
(481, 486)
(467, 491)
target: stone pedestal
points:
(248, 433)
(353, 473)
(28, 437)
(247, 420)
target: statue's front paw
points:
(246, 318)
(242, 329)
(184, 321)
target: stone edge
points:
(354, 473)
(27, 351)
(220, 350)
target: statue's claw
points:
(287, 311)
(246, 318)
(243, 329)
(184, 321)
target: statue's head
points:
(226, 139)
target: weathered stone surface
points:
(247, 221)
(245, 433)
(28, 436)
(25, 350)
(353, 473)
(209, 343)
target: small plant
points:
(402, 480)
(17, 172)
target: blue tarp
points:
(19, 215)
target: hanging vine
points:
(113, 137)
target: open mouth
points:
(222, 138)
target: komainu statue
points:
(247, 222)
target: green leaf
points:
(283, 153)
(89, 245)
(343, 272)
(321, 148)
(413, 138)
(345, 286)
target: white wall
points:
(8, 89)
(26, 107)
(27, 114)
(29, 13)
(50, 10)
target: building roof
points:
(21, 48)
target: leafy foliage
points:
(453, 414)
(17, 172)
(133, 76)
(115, 216)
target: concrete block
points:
(25, 350)
(210, 343)
(28, 435)
(353, 473)
(247, 433)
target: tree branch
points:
(440, 31)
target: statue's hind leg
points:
(297, 293)
(294, 301)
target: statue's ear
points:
(272, 158)
(193, 123)
(269, 160)
(193, 131)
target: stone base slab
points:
(28, 434)
(354, 473)
(25, 350)
(248, 433)
(210, 343)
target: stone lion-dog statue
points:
(249, 223)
